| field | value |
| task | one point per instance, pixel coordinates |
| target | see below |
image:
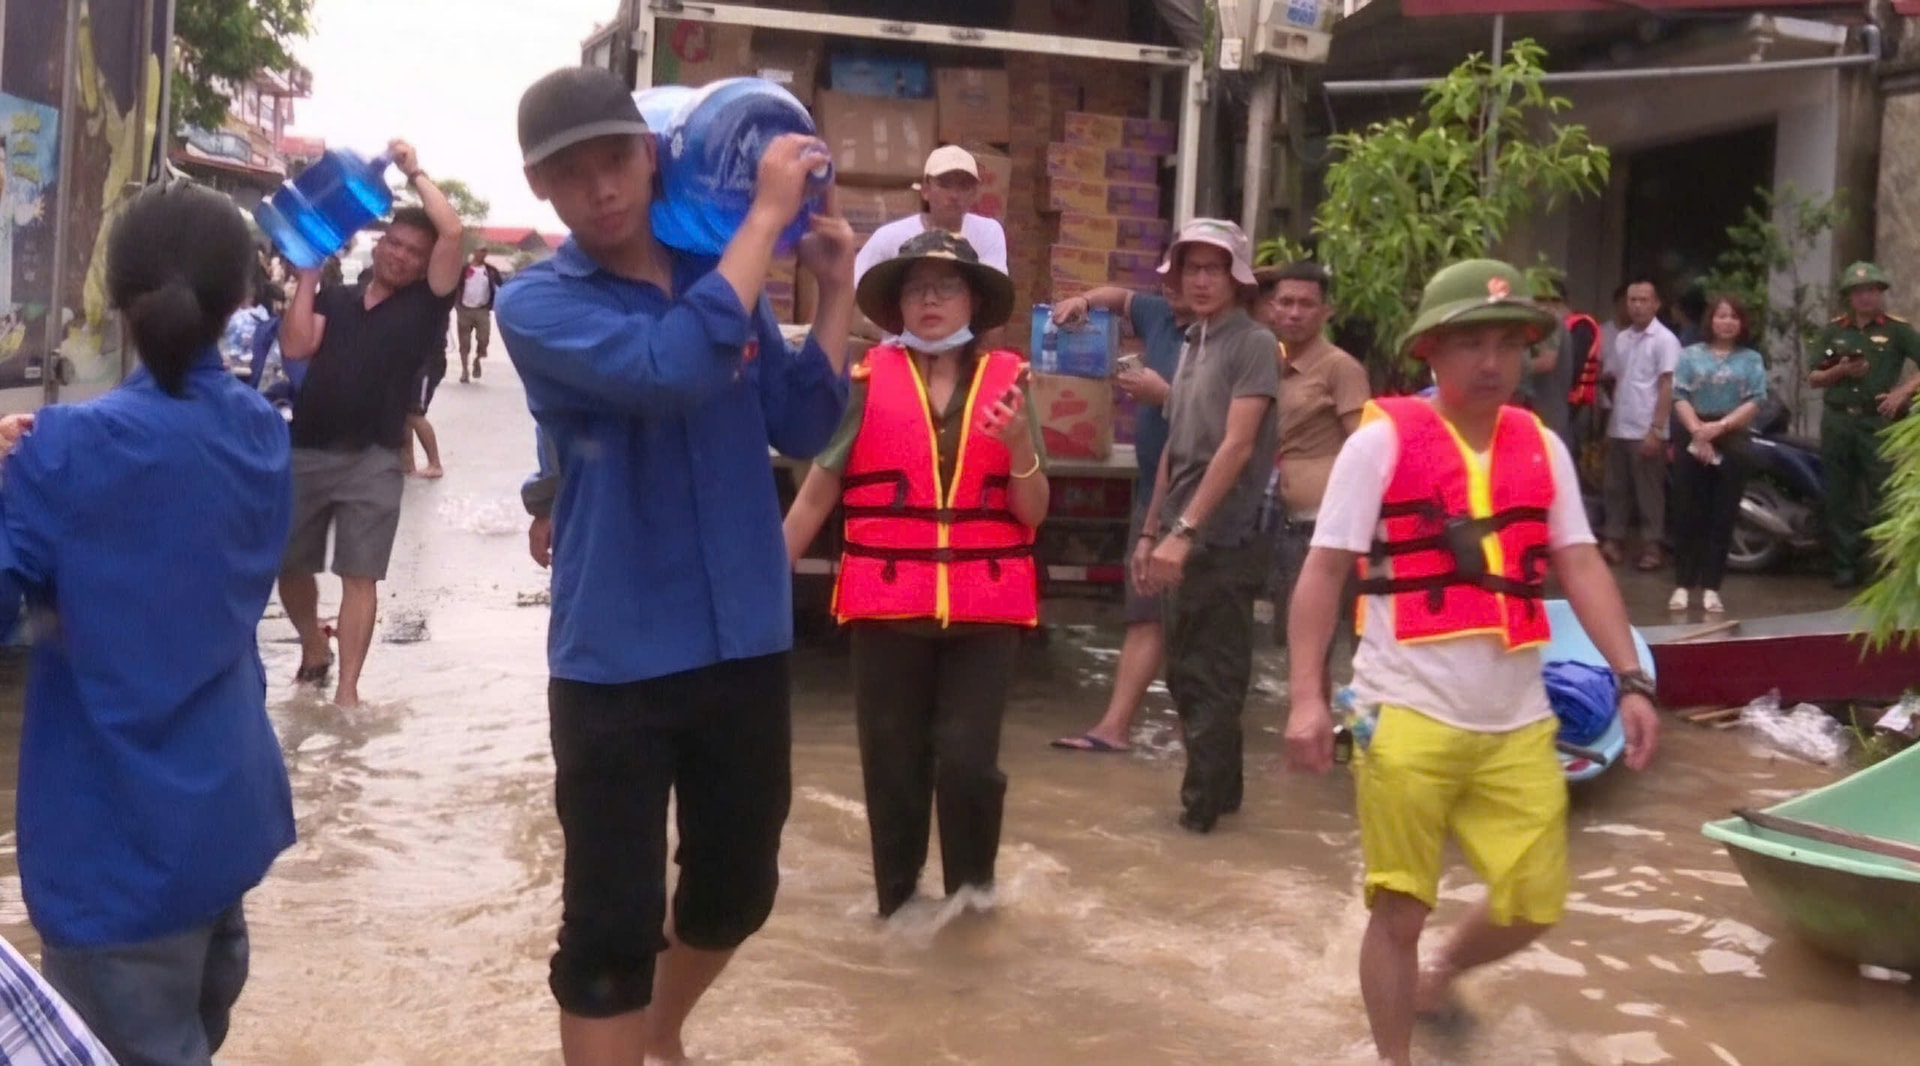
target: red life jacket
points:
(916, 548)
(1586, 385)
(1467, 545)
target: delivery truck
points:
(1087, 143)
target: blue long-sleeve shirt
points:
(145, 532)
(667, 552)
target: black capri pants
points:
(720, 740)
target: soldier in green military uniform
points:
(1864, 352)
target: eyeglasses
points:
(948, 288)
(1207, 270)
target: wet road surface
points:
(413, 920)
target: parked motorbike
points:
(1780, 514)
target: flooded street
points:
(413, 921)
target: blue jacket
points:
(145, 532)
(667, 551)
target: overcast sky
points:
(446, 75)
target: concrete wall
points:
(1897, 233)
(1810, 110)
(1897, 220)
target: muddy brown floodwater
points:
(412, 922)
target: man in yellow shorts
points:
(1461, 505)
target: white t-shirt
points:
(986, 236)
(1639, 358)
(476, 289)
(1471, 682)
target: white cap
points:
(949, 159)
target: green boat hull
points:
(1847, 902)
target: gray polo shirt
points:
(1224, 360)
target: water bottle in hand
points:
(316, 214)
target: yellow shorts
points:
(1502, 796)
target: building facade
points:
(247, 158)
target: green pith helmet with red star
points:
(1862, 274)
(1475, 292)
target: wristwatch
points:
(1181, 528)
(1633, 683)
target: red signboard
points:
(1534, 7)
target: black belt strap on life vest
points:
(1460, 538)
(991, 556)
(1456, 533)
(899, 508)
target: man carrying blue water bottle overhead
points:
(365, 347)
(659, 379)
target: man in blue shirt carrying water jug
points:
(659, 380)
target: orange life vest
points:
(917, 548)
(1464, 547)
(1586, 385)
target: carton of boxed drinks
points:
(974, 106)
(1084, 349)
(1103, 198)
(1134, 270)
(996, 172)
(879, 74)
(1076, 415)
(1091, 163)
(1088, 265)
(1112, 232)
(1118, 131)
(875, 139)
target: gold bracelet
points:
(1032, 470)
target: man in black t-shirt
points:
(367, 346)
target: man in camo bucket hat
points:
(1460, 505)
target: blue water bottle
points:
(710, 161)
(314, 215)
(659, 104)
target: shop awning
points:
(1540, 7)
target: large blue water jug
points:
(314, 215)
(710, 160)
(659, 104)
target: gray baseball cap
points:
(572, 105)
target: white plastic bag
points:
(1806, 732)
(1899, 717)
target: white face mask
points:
(946, 344)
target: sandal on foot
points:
(1089, 743)
(315, 674)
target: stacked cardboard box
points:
(866, 209)
(779, 288)
(695, 53)
(876, 140)
(975, 107)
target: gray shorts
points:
(1138, 606)
(165, 1001)
(357, 495)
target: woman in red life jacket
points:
(939, 470)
